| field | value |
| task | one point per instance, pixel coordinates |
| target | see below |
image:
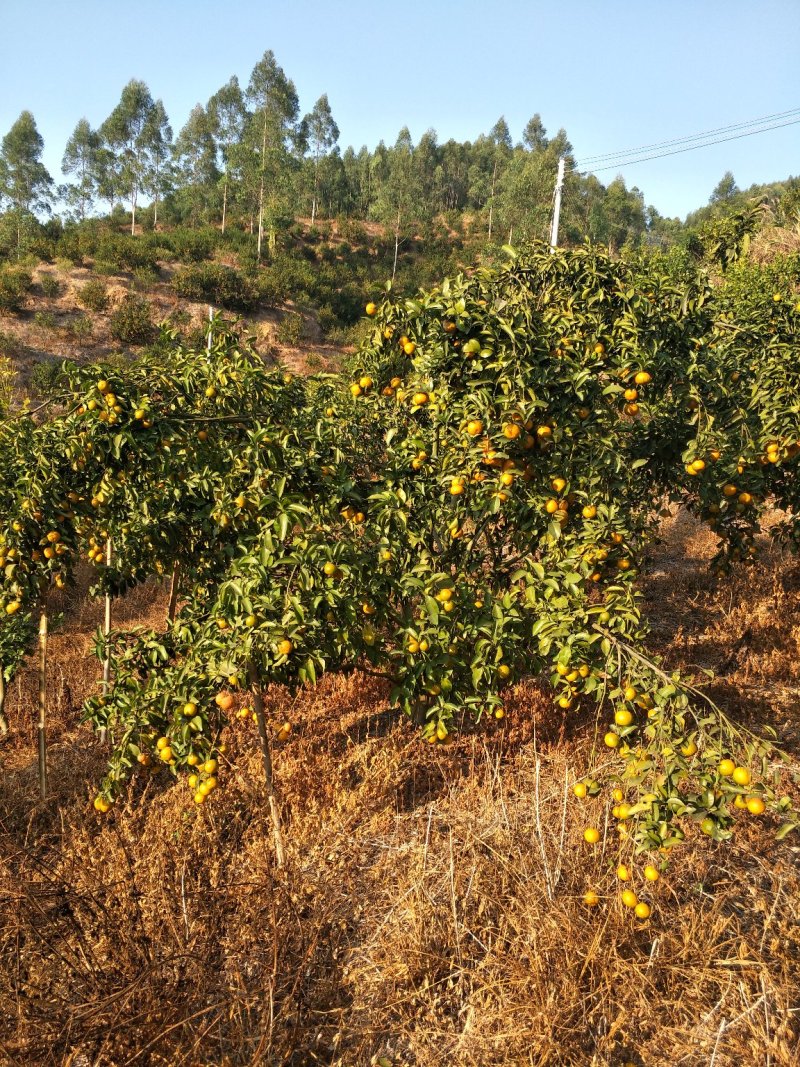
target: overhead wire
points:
(691, 137)
(691, 148)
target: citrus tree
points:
(471, 505)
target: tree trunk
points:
(224, 200)
(396, 244)
(314, 197)
(133, 213)
(261, 188)
(266, 755)
(491, 199)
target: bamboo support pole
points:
(266, 755)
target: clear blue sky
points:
(614, 73)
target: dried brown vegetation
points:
(431, 907)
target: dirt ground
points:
(431, 907)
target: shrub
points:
(9, 344)
(144, 278)
(132, 322)
(50, 285)
(15, 284)
(215, 284)
(94, 295)
(290, 329)
(48, 378)
(45, 320)
(271, 290)
(126, 253)
(81, 329)
(191, 246)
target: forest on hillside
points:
(248, 160)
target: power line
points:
(691, 137)
(692, 148)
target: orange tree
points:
(472, 506)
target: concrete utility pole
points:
(557, 204)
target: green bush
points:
(45, 320)
(132, 322)
(144, 278)
(124, 253)
(81, 329)
(290, 329)
(50, 285)
(9, 344)
(271, 290)
(94, 295)
(15, 284)
(217, 285)
(192, 246)
(48, 378)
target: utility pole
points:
(557, 205)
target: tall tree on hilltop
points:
(128, 131)
(195, 155)
(269, 135)
(81, 159)
(500, 137)
(24, 180)
(322, 134)
(725, 190)
(534, 136)
(158, 138)
(227, 115)
(398, 192)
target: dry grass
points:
(430, 910)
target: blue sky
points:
(614, 73)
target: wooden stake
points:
(3, 719)
(172, 608)
(266, 755)
(43, 704)
(106, 632)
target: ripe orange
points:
(755, 805)
(284, 647)
(741, 775)
(629, 898)
(591, 835)
(579, 789)
(371, 308)
(642, 910)
(623, 873)
(726, 767)
(611, 740)
(591, 898)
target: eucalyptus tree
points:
(82, 161)
(227, 116)
(269, 137)
(322, 134)
(25, 183)
(128, 132)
